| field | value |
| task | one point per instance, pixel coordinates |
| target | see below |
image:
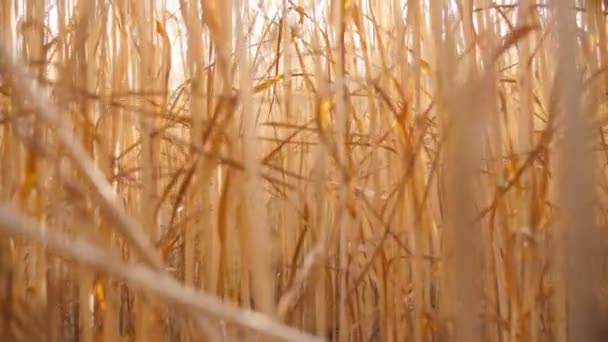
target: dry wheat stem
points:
(26, 88)
(146, 278)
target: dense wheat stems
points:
(358, 170)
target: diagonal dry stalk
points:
(26, 89)
(146, 278)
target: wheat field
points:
(293, 170)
